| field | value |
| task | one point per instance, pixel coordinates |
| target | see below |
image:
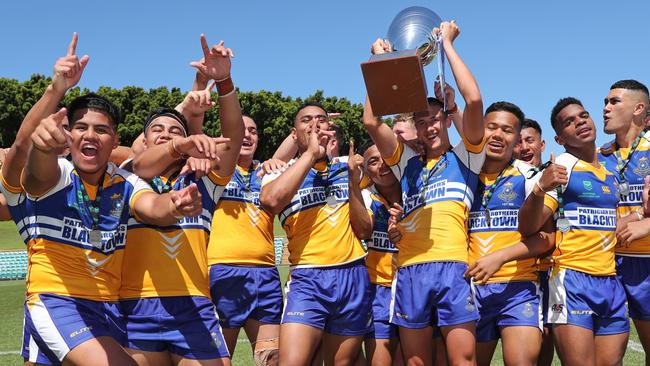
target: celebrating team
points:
(426, 251)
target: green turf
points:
(9, 238)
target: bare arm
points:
(67, 72)
(360, 220)
(216, 65)
(455, 112)
(380, 132)
(473, 129)
(287, 149)
(5, 215)
(534, 213)
(166, 209)
(120, 154)
(42, 170)
(159, 158)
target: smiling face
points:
(162, 130)
(93, 139)
(431, 127)
(531, 146)
(377, 170)
(249, 144)
(575, 128)
(501, 135)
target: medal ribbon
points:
(93, 205)
(487, 195)
(160, 187)
(621, 164)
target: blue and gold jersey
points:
(434, 227)
(172, 260)
(382, 254)
(242, 231)
(317, 220)
(56, 228)
(502, 230)
(590, 201)
(635, 172)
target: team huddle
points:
(408, 251)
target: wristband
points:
(225, 86)
(540, 188)
(173, 151)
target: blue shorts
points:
(634, 273)
(592, 302)
(242, 293)
(425, 292)
(185, 325)
(30, 351)
(506, 304)
(382, 328)
(60, 323)
(543, 288)
(335, 299)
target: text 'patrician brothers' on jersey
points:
(317, 220)
(590, 200)
(434, 227)
(242, 231)
(56, 227)
(502, 230)
(382, 253)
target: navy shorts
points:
(336, 299)
(184, 325)
(241, 293)
(425, 292)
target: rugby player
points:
(430, 288)
(586, 300)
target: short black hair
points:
(166, 112)
(365, 146)
(308, 104)
(511, 108)
(630, 84)
(559, 106)
(94, 102)
(341, 139)
(531, 123)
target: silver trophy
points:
(395, 81)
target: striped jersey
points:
(436, 195)
(317, 220)
(634, 173)
(382, 254)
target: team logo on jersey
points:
(117, 204)
(508, 194)
(587, 184)
(606, 190)
(528, 310)
(643, 168)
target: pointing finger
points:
(72, 48)
(204, 45)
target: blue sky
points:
(530, 53)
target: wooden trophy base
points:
(395, 83)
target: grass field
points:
(11, 315)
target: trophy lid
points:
(411, 29)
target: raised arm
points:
(194, 106)
(159, 158)
(453, 110)
(287, 149)
(166, 209)
(216, 66)
(42, 171)
(278, 193)
(472, 126)
(360, 220)
(67, 72)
